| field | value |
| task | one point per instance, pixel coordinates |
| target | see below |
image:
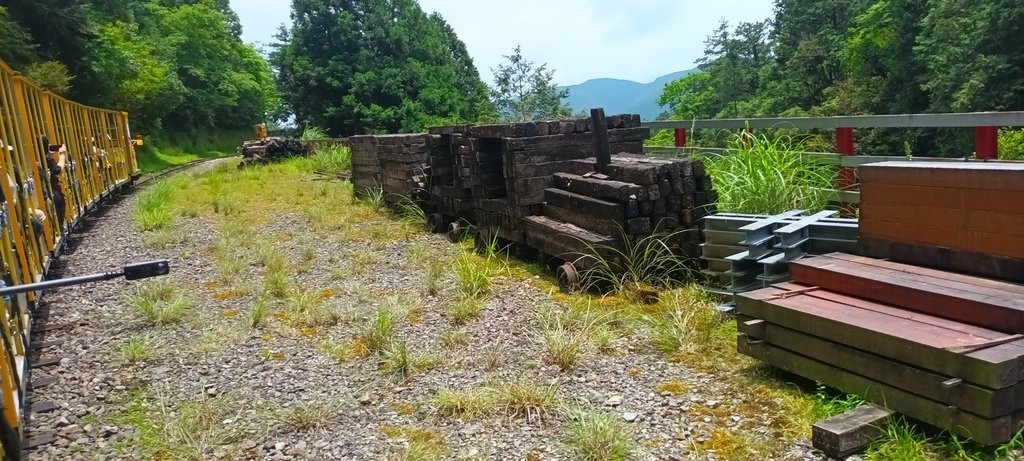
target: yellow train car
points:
(59, 158)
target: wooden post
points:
(986, 142)
(601, 147)
(680, 135)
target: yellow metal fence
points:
(99, 159)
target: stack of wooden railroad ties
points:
(834, 300)
(912, 327)
(551, 189)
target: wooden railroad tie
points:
(843, 435)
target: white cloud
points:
(581, 39)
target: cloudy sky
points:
(636, 40)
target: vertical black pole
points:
(601, 147)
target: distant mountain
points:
(621, 96)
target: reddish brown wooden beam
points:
(1001, 311)
(906, 340)
(976, 399)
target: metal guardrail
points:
(827, 158)
(951, 120)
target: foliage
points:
(839, 57)
(769, 176)
(524, 92)
(19, 49)
(633, 265)
(1011, 144)
(688, 98)
(371, 66)
(174, 66)
(50, 75)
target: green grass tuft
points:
(769, 176)
(160, 302)
(152, 207)
(474, 276)
(396, 358)
(466, 404)
(596, 436)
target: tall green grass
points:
(152, 207)
(327, 158)
(769, 176)
(635, 263)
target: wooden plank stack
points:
(403, 162)
(504, 169)
(401, 165)
(366, 175)
(635, 196)
(940, 347)
(270, 150)
(967, 217)
(449, 173)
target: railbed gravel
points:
(265, 371)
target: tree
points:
(18, 49)
(688, 97)
(969, 51)
(50, 75)
(524, 92)
(368, 66)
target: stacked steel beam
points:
(744, 252)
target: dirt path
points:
(298, 324)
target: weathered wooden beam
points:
(601, 147)
(994, 307)
(851, 432)
(599, 188)
(919, 340)
(587, 205)
(982, 401)
(982, 430)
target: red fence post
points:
(846, 177)
(986, 142)
(680, 137)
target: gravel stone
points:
(273, 376)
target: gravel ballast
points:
(215, 388)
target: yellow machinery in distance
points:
(261, 131)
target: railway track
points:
(44, 353)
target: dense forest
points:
(849, 57)
(175, 65)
